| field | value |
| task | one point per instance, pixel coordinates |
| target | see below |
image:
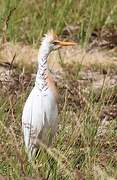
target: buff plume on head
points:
(49, 37)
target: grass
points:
(85, 146)
(26, 21)
(79, 151)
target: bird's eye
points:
(55, 43)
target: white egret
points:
(39, 118)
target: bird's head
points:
(51, 42)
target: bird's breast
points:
(46, 103)
(52, 87)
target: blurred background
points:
(26, 21)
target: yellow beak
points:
(65, 43)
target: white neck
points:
(42, 72)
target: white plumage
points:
(39, 118)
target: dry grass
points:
(26, 56)
(85, 146)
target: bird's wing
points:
(32, 118)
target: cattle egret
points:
(39, 118)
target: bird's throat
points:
(42, 72)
